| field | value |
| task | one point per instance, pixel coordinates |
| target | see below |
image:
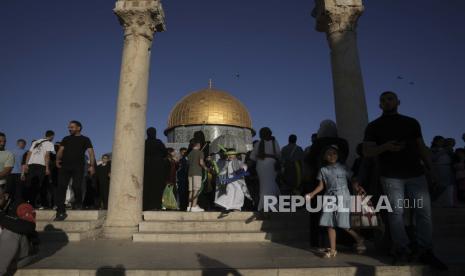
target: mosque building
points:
(221, 117)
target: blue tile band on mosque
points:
(221, 117)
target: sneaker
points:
(60, 217)
(197, 209)
(428, 258)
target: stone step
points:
(410, 270)
(219, 225)
(242, 216)
(48, 215)
(231, 236)
(69, 236)
(68, 226)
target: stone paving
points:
(110, 257)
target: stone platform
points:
(109, 257)
(211, 243)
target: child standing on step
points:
(335, 178)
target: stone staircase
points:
(173, 226)
(79, 225)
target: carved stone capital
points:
(337, 15)
(140, 17)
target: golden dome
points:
(209, 107)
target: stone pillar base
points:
(119, 232)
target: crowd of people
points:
(393, 160)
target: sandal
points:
(330, 254)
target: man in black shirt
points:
(403, 157)
(70, 161)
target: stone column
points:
(140, 19)
(338, 19)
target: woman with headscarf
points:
(266, 153)
(155, 171)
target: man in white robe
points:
(230, 194)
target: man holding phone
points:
(403, 159)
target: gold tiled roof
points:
(209, 106)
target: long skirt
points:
(230, 196)
(267, 178)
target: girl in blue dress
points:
(335, 177)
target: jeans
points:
(414, 189)
(13, 247)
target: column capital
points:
(337, 15)
(140, 17)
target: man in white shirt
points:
(37, 167)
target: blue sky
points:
(60, 60)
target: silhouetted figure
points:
(442, 157)
(102, 177)
(292, 156)
(155, 171)
(459, 166)
(182, 178)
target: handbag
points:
(366, 217)
(168, 200)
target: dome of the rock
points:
(212, 111)
(209, 107)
